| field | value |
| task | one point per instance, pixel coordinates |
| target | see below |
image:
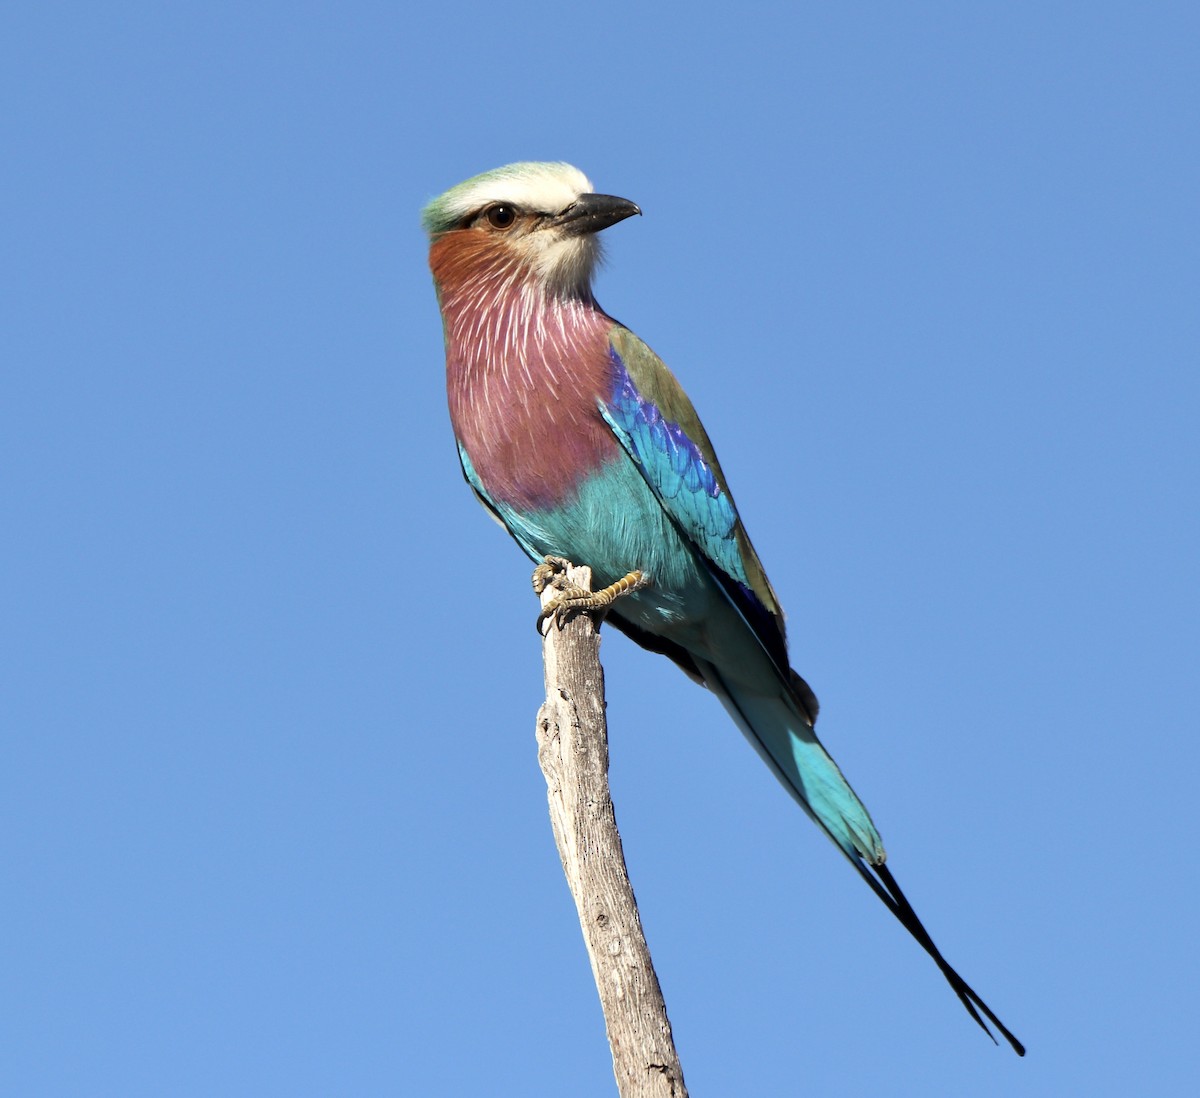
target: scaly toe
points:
(550, 573)
(570, 598)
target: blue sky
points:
(272, 822)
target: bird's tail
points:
(778, 727)
(884, 885)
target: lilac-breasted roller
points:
(582, 444)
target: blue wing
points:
(658, 427)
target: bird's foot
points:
(553, 573)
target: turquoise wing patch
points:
(676, 471)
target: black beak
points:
(590, 213)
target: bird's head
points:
(542, 216)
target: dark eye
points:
(502, 216)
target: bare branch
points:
(572, 739)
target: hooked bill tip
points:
(590, 213)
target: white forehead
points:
(544, 188)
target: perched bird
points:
(582, 444)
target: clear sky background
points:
(271, 821)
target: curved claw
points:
(571, 598)
(552, 572)
(576, 598)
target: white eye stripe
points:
(538, 188)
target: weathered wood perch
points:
(572, 736)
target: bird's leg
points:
(553, 573)
(576, 598)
